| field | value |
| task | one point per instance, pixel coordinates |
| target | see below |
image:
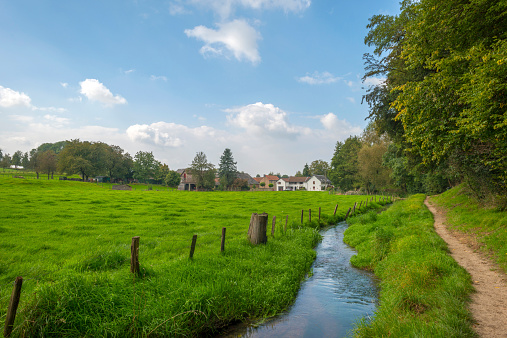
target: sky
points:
(278, 82)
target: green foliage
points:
(202, 171)
(444, 95)
(344, 164)
(227, 169)
(71, 243)
(417, 274)
(306, 171)
(172, 179)
(318, 167)
(145, 166)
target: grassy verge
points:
(70, 241)
(424, 292)
(487, 225)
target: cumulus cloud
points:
(236, 37)
(374, 81)
(96, 91)
(21, 118)
(319, 78)
(225, 8)
(11, 98)
(59, 121)
(168, 134)
(263, 119)
(331, 122)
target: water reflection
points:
(329, 302)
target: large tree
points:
(227, 170)
(119, 165)
(145, 166)
(16, 158)
(344, 164)
(86, 158)
(172, 179)
(47, 163)
(319, 167)
(202, 171)
(6, 161)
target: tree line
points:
(443, 99)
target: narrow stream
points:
(330, 301)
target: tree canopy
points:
(227, 170)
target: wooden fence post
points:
(257, 228)
(310, 215)
(286, 221)
(273, 226)
(319, 213)
(13, 307)
(347, 215)
(335, 208)
(222, 246)
(192, 246)
(353, 211)
(360, 205)
(302, 212)
(366, 204)
(134, 255)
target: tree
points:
(16, 158)
(145, 166)
(47, 162)
(1, 154)
(202, 171)
(227, 170)
(240, 184)
(299, 174)
(6, 161)
(306, 171)
(161, 173)
(25, 160)
(344, 164)
(86, 158)
(172, 179)
(319, 167)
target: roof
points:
(272, 177)
(323, 179)
(295, 179)
(247, 177)
(258, 179)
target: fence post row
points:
(257, 228)
(134, 255)
(13, 307)
(347, 215)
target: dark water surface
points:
(330, 301)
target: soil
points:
(489, 302)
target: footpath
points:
(489, 302)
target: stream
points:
(329, 302)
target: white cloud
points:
(263, 119)
(236, 37)
(374, 81)
(338, 127)
(319, 78)
(64, 84)
(51, 109)
(60, 121)
(96, 91)
(168, 134)
(129, 71)
(225, 8)
(21, 118)
(11, 98)
(160, 77)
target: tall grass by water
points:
(424, 292)
(70, 241)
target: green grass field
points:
(70, 241)
(424, 292)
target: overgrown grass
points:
(488, 225)
(70, 241)
(424, 292)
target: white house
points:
(314, 183)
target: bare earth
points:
(489, 303)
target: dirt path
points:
(489, 303)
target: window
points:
(313, 182)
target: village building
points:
(314, 183)
(186, 180)
(269, 179)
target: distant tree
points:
(319, 167)
(227, 170)
(172, 179)
(161, 173)
(299, 174)
(240, 184)
(48, 162)
(145, 166)
(86, 158)
(16, 158)
(34, 161)
(306, 171)
(270, 185)
(56, 147)
(262, 184)
(1, 154)
(118, 164)
(202, 171)
(257, 175)
(25, 160)
(6, 161)
(285, 176)
(344, 165)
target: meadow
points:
(424, 292)
(70, 241)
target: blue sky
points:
(276, 81)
